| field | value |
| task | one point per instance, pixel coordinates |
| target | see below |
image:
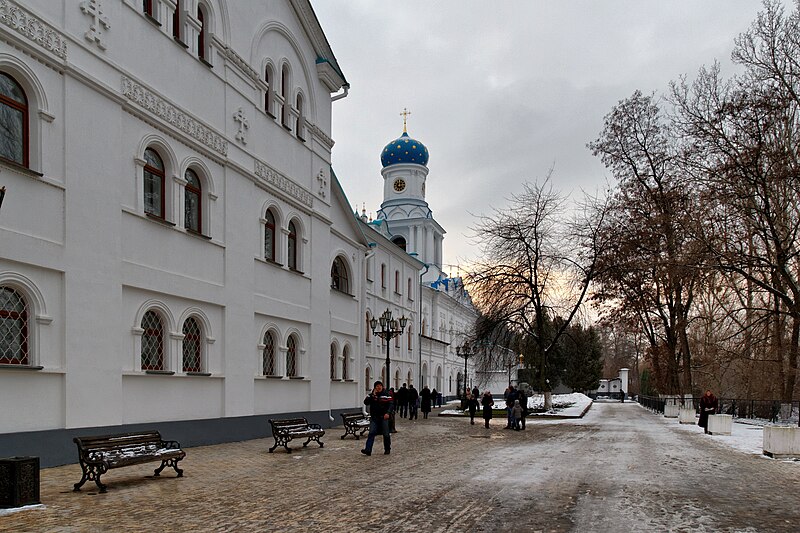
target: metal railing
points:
(767, 410)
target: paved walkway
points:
(620, 468)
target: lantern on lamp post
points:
(389, 329)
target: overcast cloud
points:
(500, 91)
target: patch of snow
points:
(4, 512)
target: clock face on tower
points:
(399, 185)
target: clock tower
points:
(408, 220)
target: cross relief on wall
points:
(94, 8)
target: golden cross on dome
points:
(405, 114)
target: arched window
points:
(192, 346)
(397, 379)
(193, 212)
(410, 336)
(13, 121)
(269, 236)
(268, 355)
(346, 363)
(367, 378)
(369, 328)
(299, 129)
(154, 178)
(383, 376)
(400, 242)
(339, 278)
(176, 21)
(201, 34)
(291, 357)
(285, 95)
(152, 342)
(409, 379)
(291, 247)
(13, 328)
(269, 77)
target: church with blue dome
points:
(404, 149)
(405, 216)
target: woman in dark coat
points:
(425, 401)
(487, 401)
(708, 406)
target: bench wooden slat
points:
(287, 429)
(100, 453)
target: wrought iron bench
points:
(355, 423)
(99, 454)
(285, 430)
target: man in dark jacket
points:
(402, 401)
(413, 396)
(380, 407)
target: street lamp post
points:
(465, 351)
(389, 329)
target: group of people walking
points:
(516, 406)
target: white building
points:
(175, 252)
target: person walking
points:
(472, 405)
(708, 406)
(523, 402)
(413, 403)
(488, 402)
(402, 401)
(435, 398)
(380, 407)
(510, 397)
(425, 401)
(516, 412)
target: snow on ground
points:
(4, 512)
(563, 405)
(746, 436)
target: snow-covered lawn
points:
(563, 405)
(746, 436)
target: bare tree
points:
(649, 270)
(534, 265)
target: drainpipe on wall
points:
(419, 327)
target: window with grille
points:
(193, 207)
(13, 328)
(340, 281)
(268, 355)
(154, 177)
(152, 342)
(346, 363)
(291, 357)
(192, 346)
(13, 121)
(269, 236)
(333, 361)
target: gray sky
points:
(500, 91)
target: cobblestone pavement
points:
(620, 468)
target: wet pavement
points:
(620, 468)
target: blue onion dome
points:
(404, 150)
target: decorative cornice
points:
(276, 179)
(239, 61)
(321, 135)
(152, 102)
(24, 22)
